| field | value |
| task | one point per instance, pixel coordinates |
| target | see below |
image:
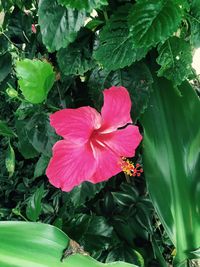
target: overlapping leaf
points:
(175, 58)
(59, 26)
(115, 48)
(88, 5)
(153, 21)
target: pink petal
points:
(123, 142)
(70, 165)
(108, 163)
(76, 125)
(116, 109)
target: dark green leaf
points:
(10, 160)
(194, 19)
(84, 192)
(123, 199)
(5, 130)
(5, 65)
(40, 134)
(24, 145)
(175, 58)
(3, 44)
(88, 5)
(115, 49)
(59, 26)
(36, 78)
(77, 57)
(41, 166)
(34, 205)
(153, 21)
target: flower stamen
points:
(129, 168)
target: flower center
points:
(129, 168)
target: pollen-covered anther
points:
(130, 169)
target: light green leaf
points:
(40, 245)
(175, 58)
(115, 49)
(77, 57)
(172, 162)
(10, 160)
(34, 205)
(36, 78)
(194, 19)
(153, 21)
(59, 26)
(88, 5)
(5, 130)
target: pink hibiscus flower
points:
(94, 146)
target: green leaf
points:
(88, 5)
(24, 145)
(127, 254)
(136, 78)
(59, 26)
(41, 165)
(40, 245)
(123, 199)
(36, 78)
(34, 205)
(172, 162)
(84, 192)
(40, 134)
(153, 21)
(175, 58)
(5, 130)
(5, 66)
(10, 160)
(77, 57)
(194, 19)
(115, 49)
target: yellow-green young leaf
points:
(36, 78)
(10, 160)
(152, 21)
(40, 245)
(59, 25)
(175, 58)
(88, 5)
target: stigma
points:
(129, 168)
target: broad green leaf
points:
(24, 145)
(40, 134)
(5, 130)
(77, 57)
(136, 78)
(88, 5)
(34, 205)
(84, 192)
(172, 162)
(59, 26)
(153, 21)
(40, 245)
(3, 44)
(175, 58)
(10, 160)
(41, 165)
(115, 48)
(194, 19)
(36, 78)
(5, 66)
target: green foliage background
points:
(70, 57)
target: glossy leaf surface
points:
(172, 162)
(40, 245)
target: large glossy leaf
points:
(40, 245)
(59, 26)
(36, 78)
(172, 162)
(152, 21)
(115, 49)
(175, 58)
(88, 5)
